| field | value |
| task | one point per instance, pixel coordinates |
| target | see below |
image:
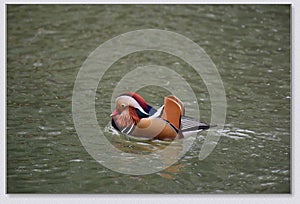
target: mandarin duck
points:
(134, 116)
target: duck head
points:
(130, 108)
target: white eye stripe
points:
(131, 102)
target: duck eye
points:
(123, 105)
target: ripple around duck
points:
(136, 145)
(237, 133)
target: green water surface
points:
(250, 46)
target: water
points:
(250, 46)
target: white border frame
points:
(184, 198)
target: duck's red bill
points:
(114, 113)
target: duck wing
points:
(189, 124)
(186, 123)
